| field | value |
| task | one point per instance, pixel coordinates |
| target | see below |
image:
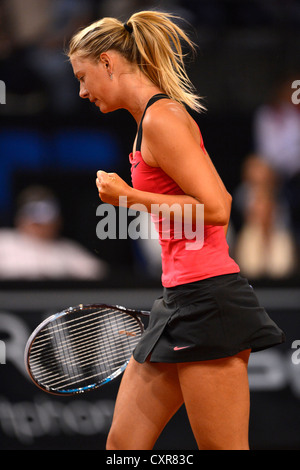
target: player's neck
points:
(137, 90)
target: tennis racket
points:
(82, 347)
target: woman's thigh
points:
(148, 397)
(216, 396)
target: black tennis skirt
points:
(209, 319)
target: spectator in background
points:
(277, 140)
(257, 173)
(34, 250)
(265, 246)
(277, 131)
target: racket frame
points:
(134, 313)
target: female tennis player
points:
(201, 331)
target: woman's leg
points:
(216, 395)
(148, 397)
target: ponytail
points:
(152, 41)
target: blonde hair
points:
(150, 40)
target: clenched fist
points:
(111, 187)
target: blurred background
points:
(52, 143)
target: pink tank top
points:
(184, 260)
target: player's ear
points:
(105, 59)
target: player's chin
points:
(104, 107)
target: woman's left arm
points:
(170, 139)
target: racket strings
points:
(39, 347)
(62, 358)
(109, 366)
(35, 363)
(63, 343)
(81, 345)
(65, 325)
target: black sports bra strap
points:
(140, 130)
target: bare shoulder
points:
(166, 113)
(167, 124)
